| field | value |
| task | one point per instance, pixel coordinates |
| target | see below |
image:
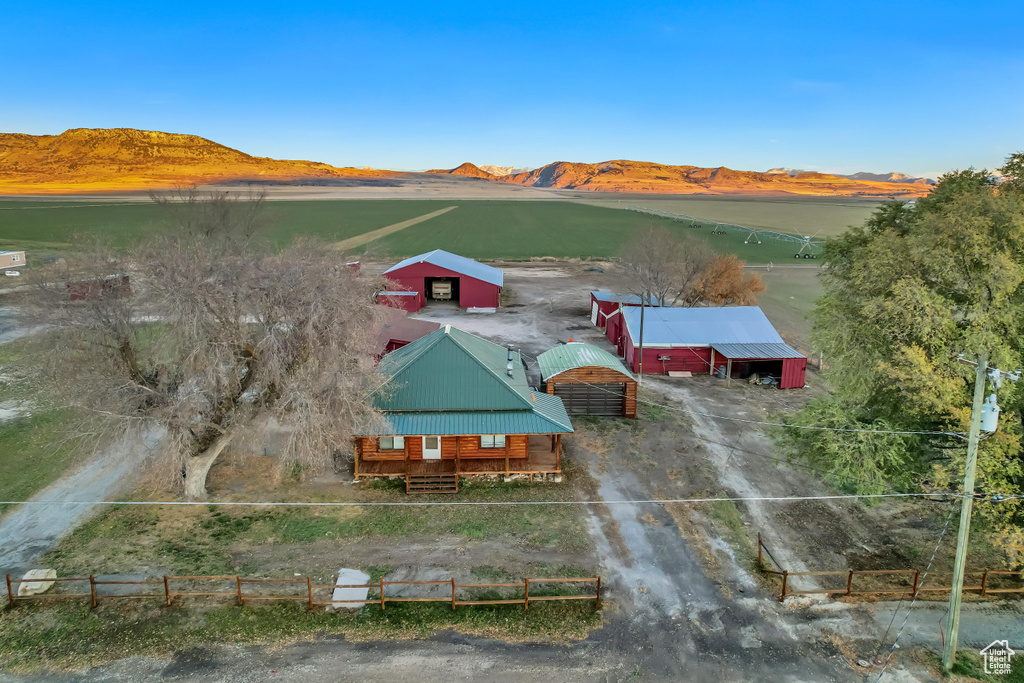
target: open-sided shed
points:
(474, 285)
(589, 380)
(701, 340)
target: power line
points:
(764, 422)
(658, 501)
(920, 585)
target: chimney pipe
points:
(508, 369)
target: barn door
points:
(593, 312)
(592, 399)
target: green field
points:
(483, 229)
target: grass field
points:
(793, 215)
(483, 229)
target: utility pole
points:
(966, 504)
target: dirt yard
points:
(685, 600)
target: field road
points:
(367, 237)
(29, 531)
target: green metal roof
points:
(452, 370)
(547, 417)
(576, 355)
(451, 382)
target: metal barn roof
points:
(628, 299)
(577, 355)
(744, 351)
(671, 327)
(460, 264)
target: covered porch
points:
(543, 455)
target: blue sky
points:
(917, 87)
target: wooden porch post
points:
(458, 454)
(558, 454)
(728, 373)
(712, 361)
(405, 444)
(506, 455)
(355, 456)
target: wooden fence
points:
(905, 582)
(167, 588)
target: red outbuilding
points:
(733, 341)
(604, 312)
(442, 276)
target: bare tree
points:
(212, 336)
(663, 267)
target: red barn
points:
(399, 330)
(739, 340)
(604, 312)
(472, 284)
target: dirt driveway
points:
(683, 602)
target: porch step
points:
(431, 483)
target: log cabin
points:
(456, 405)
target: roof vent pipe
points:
(508, 368)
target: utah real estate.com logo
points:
(997, 657)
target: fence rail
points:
(310, 593)
(908, 588)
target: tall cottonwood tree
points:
(217, 335)
(905, 295)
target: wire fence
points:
(244, 590)
(903, 583)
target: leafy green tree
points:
(905, 295)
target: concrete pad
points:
(350, 577)
(37, 582)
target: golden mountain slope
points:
(466, 169)
(641, 176)
(102, 160)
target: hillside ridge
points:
(103, 159)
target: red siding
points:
(793, 373)
(473, 293)
(695, 359)
(405, 303)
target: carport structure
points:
(702, 340)
(475, 285)
(589, 380)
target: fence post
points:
(849, 584)
(917, 575)
(381, 593)
(597, 601)
(167, 593)
(10, 594)
(453, 593)
(526, 585)
(760, 559)
(785, 580)
(92, 590)
(309, 588)
(238, 582)
(984, 582)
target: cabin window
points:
(391, 443)
(492, 441)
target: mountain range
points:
(864, 175)
(83, 160)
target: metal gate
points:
(593, 399)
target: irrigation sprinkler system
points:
(807, 246)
